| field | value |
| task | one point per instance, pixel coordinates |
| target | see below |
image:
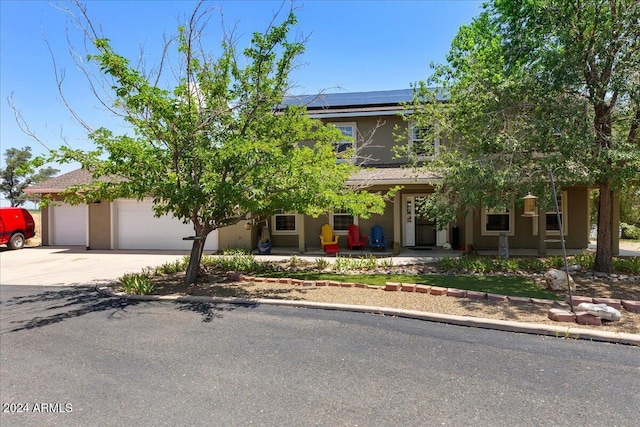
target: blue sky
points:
(353, 46)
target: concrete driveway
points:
(74, 265)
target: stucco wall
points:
(100, 225)
(375, 144)
(234, 236)
(577, 223)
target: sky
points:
(351, 46)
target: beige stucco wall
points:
(577, 222)
(235, 236)
(375, 144)
(44, 226)
(312, 228)
(100, 225)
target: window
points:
(496, 221)
(284, 222)
(341, 221)
(345, 148)
(553, 227)
(419, 146)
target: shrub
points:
(322, 263)
(630, 231)
(237, 262)
(236, 251)
(385, 263)
(630, 265)
(137, 283)
(367, 263)
(586, 260)
(172, 267)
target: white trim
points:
(409, 222)
(412, 140)
(359, 114)
(354, 142)
(483, 223)
(341, 232)
(275, 232)
(565, 218)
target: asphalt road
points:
(69, 356)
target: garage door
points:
(68, 225)
(138, 228)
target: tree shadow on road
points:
(38, 309)
(51, 306)
(210, 311)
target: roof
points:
(350, 99)
(365, 176)
(355, 99)
(64, 181)
(392, 176)
(355, 104)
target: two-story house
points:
(370, 122)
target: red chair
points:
(355, 239)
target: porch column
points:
(542, 233)
(397, 218)
(301, 240)
(615, 220)
(468, 229)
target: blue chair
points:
(377, 239)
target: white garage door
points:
(68, 225)
(138, 228)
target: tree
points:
(212, 148)
(18, 174)
(533, 87)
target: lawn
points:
(503, 285)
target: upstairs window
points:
(421, 146)
(345, 149)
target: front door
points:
(420, 230)
(425, 228)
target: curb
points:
(474, 322)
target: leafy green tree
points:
(18, 174)
(630, 206)
(213, 148)
(534, 87)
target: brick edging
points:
(628, 305)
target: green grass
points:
(504, 285)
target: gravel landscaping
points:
(216, 284)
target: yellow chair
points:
(327, 237)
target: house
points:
(370, 120)
(120, 224)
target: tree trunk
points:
(604, 251)
(193, 268)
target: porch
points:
(415, 256)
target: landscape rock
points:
(602, 311)
(557, 280)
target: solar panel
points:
(328, 100)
